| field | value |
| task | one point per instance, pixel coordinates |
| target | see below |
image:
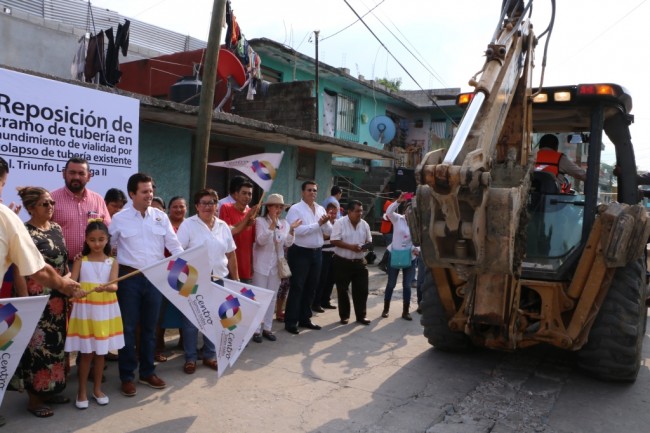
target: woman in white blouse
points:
(401, 241)
(193, 232)
(272, 234)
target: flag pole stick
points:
(117, 280)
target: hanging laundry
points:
(79, 60)
(119, 43)
(95, 60)
(122, 37)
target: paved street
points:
(353, 378)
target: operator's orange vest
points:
(386, 225)
(548, 160)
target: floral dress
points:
(42, 367)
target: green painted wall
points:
(367, 106)
(285, 181)
(165, 154)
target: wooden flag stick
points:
(117, 280)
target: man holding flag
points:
(141, 233)
(262, 169)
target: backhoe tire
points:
(434, 320)
(613, 348)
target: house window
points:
(347, 124)
(271, 75)
(340, 116)
(306, 168)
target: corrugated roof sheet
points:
(76, 14)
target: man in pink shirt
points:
(76, 204)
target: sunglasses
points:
(47, 203)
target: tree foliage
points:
(392, 84)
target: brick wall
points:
(287, 104)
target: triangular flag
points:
(261, 168)
(258, 294)
(18, 319)
(238, 318)
(185, 280)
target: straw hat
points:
(275, 199)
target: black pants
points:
(326, 280)
(305, 266)
(348, 272)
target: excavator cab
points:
(577, 275)
(510, 263)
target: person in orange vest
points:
(386, 229)
(551, 161)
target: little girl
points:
(95, 323)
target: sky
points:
(440, 43)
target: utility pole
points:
(316, 33)
(209, 79)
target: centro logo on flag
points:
(231, 303)
(8, 315)
(178, 267)
(263, 169)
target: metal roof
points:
(76, 13)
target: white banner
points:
(184, 279)
(258, 294)
(238, 315)
(18, 319)
(260, 168)
(43, 123)
(221, 315)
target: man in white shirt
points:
(304, 258)
(141, 233)
(350, 236)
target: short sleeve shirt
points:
(72, 214)
(16, 246)
(244, 239)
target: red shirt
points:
(244, 239)
(72, 215)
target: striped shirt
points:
(72, 214)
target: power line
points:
(609, 28)
(435, 74)
(400, 64)
(353, 23)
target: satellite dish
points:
(382, 129)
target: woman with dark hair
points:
(403, 245)
(159, 203)
(42, 369)
(196, 230)
(115, 200)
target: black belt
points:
(128, 269)
(350, 260)
(304, 248)
(328, 247)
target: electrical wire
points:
(435, 74)
(353, 23)
(401, 65)
(609, 28)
